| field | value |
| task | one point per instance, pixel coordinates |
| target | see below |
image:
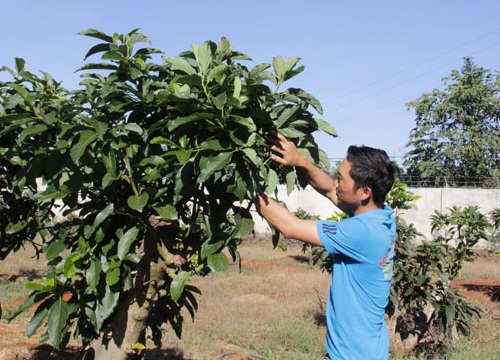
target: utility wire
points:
(405, 70)
(410, 68)
(399, 84)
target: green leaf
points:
(203, 55)
(283, 69)
(181, 64)
(213, 144)
(113, 276)
(272, 181)
(279, 66)
(211, 164)
(96, 34)
(167, 212)
(275, 236)
(47, 284)
(99, 66)
(290, 181)
(20, 63)
(183, 155)
(216, 71)
(14, 228)
(286, 116)
(220, 100)
(103, 215)
(138, 202)
(163, 140)
(54, 249)
(93, 273)
(239, 188)
(450, 313)
(103, 47)
(32, 130)
(237, 87)
(36, 321)
(326, 127)
(25, 94)
(184, 179)
(138, 346)
(85, 138)
(134, 127)
(218, 262)
(246, 122)
(178, 283)
(292, 133)
(57, 318)
(107, 179)
(258, 69)
(210, 248)
(69, 267)
(106, 307)
(244, 224)
(298, 95)
(125, 241)
(251, 155)
(184, 120)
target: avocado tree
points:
(138, 180)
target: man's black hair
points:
(372, 168)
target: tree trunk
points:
(128, 329)
(404, 341)
(132, 313)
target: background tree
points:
(457, 131)
(138, 180)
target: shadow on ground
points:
(47, 352)
(493, 291)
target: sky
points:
(364, 60)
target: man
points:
(362, 245)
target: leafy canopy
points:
(457, 131)
(87, 175)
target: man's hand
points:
(288, 154)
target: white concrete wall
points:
(441, 199)
(432, 199)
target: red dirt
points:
(15, 345)
(480, 292)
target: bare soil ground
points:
(14, 344)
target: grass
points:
(273, 309)
(295, 329)
(486, 267)
(270, 313)
(483, 342)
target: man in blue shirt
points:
(362, 245)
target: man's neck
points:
(370, 206)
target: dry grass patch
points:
(484, 267)
(273, 309)
(23, 262)
(270, 311)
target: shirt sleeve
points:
(346, 237)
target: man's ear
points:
(366, 193)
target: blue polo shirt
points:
(363, 249)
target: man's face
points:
(347, 194)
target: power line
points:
(401, 83)
(413, 67)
